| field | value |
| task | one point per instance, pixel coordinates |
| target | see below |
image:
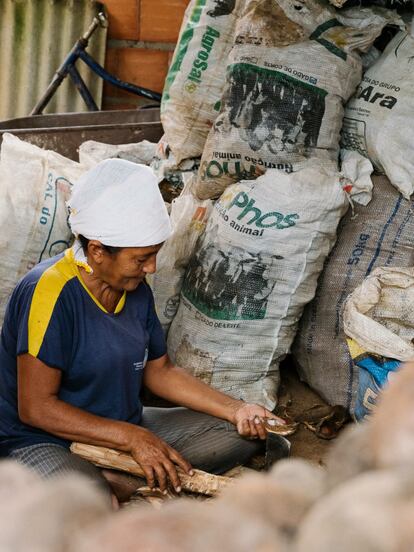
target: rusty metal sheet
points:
(35, 36)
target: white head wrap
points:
(119, 203)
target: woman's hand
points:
(250, 420)
(157, 459)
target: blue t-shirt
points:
(53, 316)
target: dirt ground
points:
(299, 397)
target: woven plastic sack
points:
(374, 373)
(379, 119)
(34, 186)
(378, 315)
(379, 322)
(293, 66)
(177, 175)
(189, 217)
(195, 81)
(380, 234)
(91, 153)
(254, 269)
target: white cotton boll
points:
(49, 514)
(182, 526)
(299, 474)
(371, 513)
(15, 482)
(391, 428)
(281, 498)
(350, 456)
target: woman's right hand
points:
(157, 459)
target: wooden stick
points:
(201, 482)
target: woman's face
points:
(127, 268)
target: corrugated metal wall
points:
(35, 36)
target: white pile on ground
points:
(371, 512)
(362, 501)
(46, 516)
(261, 512)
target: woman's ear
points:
(95, 251)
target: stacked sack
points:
(378, 124)
(34, 187)
(281, 103)
(379, 234)
(255, 267)
(377, 119)
(245, 282)
(189, 217)
(195, 81)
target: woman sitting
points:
(81, 337)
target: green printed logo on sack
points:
(200, 63)
(240, 169)
(234, 280)
(228, 283)
(249, 219)
(181, 50)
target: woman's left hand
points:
(250, 420)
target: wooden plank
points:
(201, 482)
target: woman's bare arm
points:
(40, 406)
(173, 383)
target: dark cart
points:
(64, 133)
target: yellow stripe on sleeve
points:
(45, 296)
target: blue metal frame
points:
(100, 71)
(82, 88)
(68, 68)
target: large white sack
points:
(255, 268)
(379, 314)
(91, 152)
(195, 82)
(293, 67)
(380, 234)
(379, 119)
(189, 217)
(34, 186)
